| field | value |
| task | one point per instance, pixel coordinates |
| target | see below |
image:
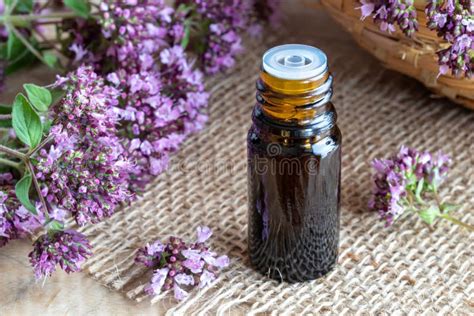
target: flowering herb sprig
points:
(391, 12)
(84, 29)
(224, 21)
(65, 159)
(408, 183)
(15, 220)
(179, 266)
(66, 248)
(452, 19)
(129, 95)
(143, 49)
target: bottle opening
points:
(294, 62)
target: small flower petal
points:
(203, 233)
(206, 279)
(157, 281)
(184, 279)
(179, 293)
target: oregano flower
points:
(454, 21)
(68, 249)
(407, 183)
(15, 220)
(85, 170)
(389, 13)
(179, 265)
(113, 127)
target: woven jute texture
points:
(408, 268)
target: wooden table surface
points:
(62, 294)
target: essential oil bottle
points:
(294, 167)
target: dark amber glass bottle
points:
(294, 163)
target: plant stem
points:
(21, 19)
(437, 198)
(457, 222)
(25, 42)
(11, 7)
(10, 163)
(419, 199)
(41, 145)
(12, 152)
(37, 187)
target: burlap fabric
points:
(405, 269)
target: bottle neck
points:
(295, 104)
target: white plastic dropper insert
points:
(294, 62)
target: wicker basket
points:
(414, 57)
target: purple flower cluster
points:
(162, 96)
(119, 120)
(15, 220)
(454, 21)
(401, 179)
(391, 12)
(225, 21)
(179, 265)
(137, 46)
(85, 170)
(68, 249)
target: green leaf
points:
(419, 187)
(187, 35)
(57, 94)
(430, 214)
(3, 50)
(5, 109)
(22, 59)
(39, 97)
(25, 6)
(447, 207)
(55, 225)
(80, 7)
(25, 59)
(26, 122)
(14, 46)
(6, 123)
(22, 190)
(184, 9)
(50, 59)
(47, 126)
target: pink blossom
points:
(157, 281)
(206, 279)
(366, 9)
(203, 233)
(187, 265)
(179, 293)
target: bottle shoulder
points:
(316, 144)
(325, 121)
